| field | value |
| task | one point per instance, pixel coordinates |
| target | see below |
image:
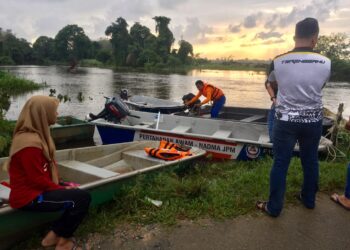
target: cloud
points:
(269, 42)
(267, 35)
(166, 4)
(252, 20)
(193, 31)
(320, 9)
(234, 28)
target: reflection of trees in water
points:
(143, 84)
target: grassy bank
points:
(206, 189)
(10, 85)
(13, 85)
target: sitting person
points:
(211, 93)
(34, 177)
(344, 200)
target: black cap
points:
(306, 28)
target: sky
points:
(253, 29)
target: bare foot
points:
(50, 239)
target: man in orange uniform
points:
(212, 94)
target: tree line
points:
(137, 47)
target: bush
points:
(6, 60)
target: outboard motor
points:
(115, 110)
(192, 108)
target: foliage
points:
(104, 56)
(165, 37)
(6, 60)
(185, 49)
(10, 85)
(71, 43)
(44, 49)
(17, 49)
(335, 46)
(120, 40)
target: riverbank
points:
(297, 228)
(10, 85)
(221, 190)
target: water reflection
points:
(242, 88)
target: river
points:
(242, 88)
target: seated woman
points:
(344, 200)
(34, 177)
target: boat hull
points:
(99, 179)
(221, 139)
(69, 130)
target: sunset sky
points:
(254, 29)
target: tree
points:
(185, 49)
(120, 39)
(165, 37)
(71, 43)
(44, 48)
(140, 40)
(335, 46)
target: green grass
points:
(217, 190)
(203, 189)
(13, 85)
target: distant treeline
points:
(137, 47)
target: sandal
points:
(262, 206)
(335, 197)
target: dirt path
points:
(325, 227)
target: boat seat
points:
(222, 133)
(181, 129)
(144, 125)
(252, 118)
(138, 159)
(82, 172)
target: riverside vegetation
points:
(138, 49)
(10, 85)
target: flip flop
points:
(335, 197)
(262, 206)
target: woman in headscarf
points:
(34, 177)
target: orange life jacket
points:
(216, 94)
(166, 154)
(170, 145)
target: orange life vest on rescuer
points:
(216, 94)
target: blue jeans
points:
(286, 134)
(347, 187)
(218, 104)
(270, 119)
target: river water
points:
(242, 88)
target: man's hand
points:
(197, 105)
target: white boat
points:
(221, 138)
(102, 170)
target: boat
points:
(101, 170)
(245, 114)
(69, 129)
(154, 105)
(220, 138)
